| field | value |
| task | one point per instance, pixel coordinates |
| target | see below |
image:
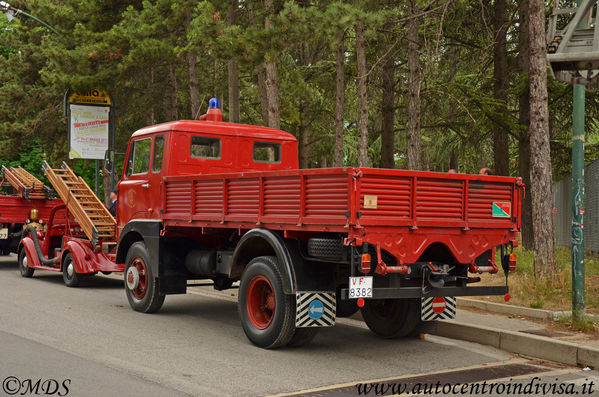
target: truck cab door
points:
(139, 192)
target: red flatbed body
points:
(401, 211)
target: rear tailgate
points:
(425, 199)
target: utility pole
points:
(578, 307)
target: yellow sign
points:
(94, 96)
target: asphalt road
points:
(193, 346)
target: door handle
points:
(146, 185)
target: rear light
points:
(361, 302)
(365, 268)
(512, 262)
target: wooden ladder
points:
(87, 209)
(25, 184)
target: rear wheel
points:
(25, 270)
(391, 318)
(267, 313)
(141, 287)
(70, 277)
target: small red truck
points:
(24, 201)
(210, 200)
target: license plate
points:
(3, 233)
(360, 287)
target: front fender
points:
(29, 247)
(83, 255)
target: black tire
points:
(391, 318)
(267, 327)
(70, 277)
(143, 296)
(303, 336)
(345, 308)
(25, 270)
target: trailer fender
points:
(260, 242)
(83, 256)
(29, 247)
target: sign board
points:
(89, 131)
(91, 97)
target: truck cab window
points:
(267, 152)
(205, 148)
(139, 157)
(158, 153)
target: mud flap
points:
(438, 308)
(315, 309)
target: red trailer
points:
(78, 240)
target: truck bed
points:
(393, 206)
(16, 209)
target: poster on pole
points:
(89, 131)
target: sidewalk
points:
(520, 330)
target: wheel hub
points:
(261, 302)
(24, 261)
(132, 278)
(70, 269)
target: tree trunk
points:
(260, 72)
(388, 108)
(192, 64)
(194, 85)
(340, 99)
(234, 116)
(150, 117)
(272, 85)
(363, 160)
(170, 94)
(304, 135)
(540, 155)
(500, 135)
(524, 121)
(452, 114)
(414, 161)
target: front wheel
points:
(70, 277)
(25, 270)
(391, 318)
(267, 313)
(141, 287)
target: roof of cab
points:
(217, 128)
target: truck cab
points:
(193, 147)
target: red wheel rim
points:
(261, 302)
(140, 291)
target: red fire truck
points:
(24, 201)
(209, 200)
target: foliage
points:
(127, 46)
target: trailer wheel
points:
(391, 318)
(25, 270)
(267, 313)
(70, 277)
(141, 287)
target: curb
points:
(520, 343)
(502, 308)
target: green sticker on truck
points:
(502, 209)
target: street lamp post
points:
(12, 12)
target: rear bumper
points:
(418, 292)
